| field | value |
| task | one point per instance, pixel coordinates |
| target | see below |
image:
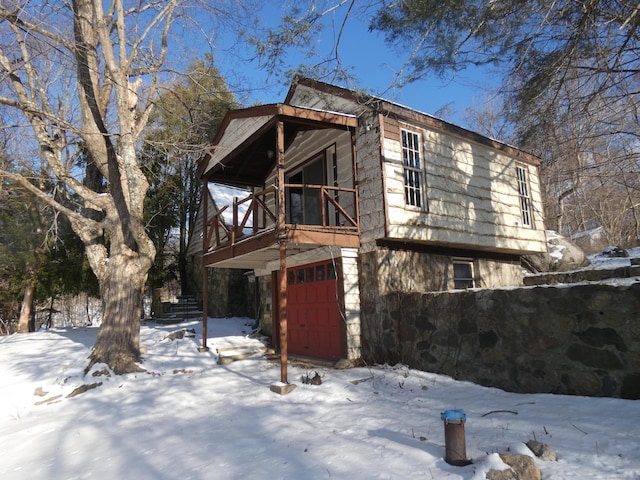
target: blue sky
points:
(374, 65)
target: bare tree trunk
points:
(118, 340)
(25, 322)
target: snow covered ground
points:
(188, 417)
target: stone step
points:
(185, 314)
(167, 320)
(177, 307)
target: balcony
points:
(245, 234)
(310, 153)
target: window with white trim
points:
(463, 274)
(526, 212)
(412, 162)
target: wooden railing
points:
(252, 215)
(328, 195)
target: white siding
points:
(351, 302)
(471, 196)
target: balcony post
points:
(284, 386)
(205, 272)
(354, 169)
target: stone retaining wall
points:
(579, 339)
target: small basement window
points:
(462, 274)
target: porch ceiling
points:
(256, 259)
(244, 150)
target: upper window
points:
(462, 274)
(525, 197)
(412, 162)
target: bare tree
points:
(83, 76)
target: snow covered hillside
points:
(189, 417)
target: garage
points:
(313, 311)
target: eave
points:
(243, 151)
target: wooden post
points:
(205, 273)
(354, 168)
(284, 387)
(282, 310)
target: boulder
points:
(523, 467)
(562, 255)
(501, 475)
(542, 451)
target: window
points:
(412, 168)
(303, 204)
(462, 274)
(525, 198)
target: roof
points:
(355, 102)
(243, 150)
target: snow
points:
(223, 196)
(189, 417)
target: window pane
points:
(320, 273)
(462, 270)
(463, 275)
(310, 274)
(300, 275)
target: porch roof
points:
(244, 149)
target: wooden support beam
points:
(282, 279)
(205, 271)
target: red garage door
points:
(313, 314)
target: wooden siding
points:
(471, 195)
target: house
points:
(351, 196)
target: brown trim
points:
(446, 251)
(250, 245)
(392, 125)
(311, 236)
(419, 119)
(354, 174)
(383, 176)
